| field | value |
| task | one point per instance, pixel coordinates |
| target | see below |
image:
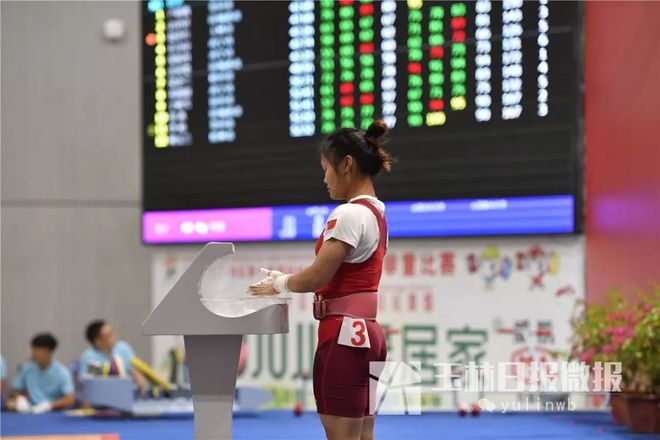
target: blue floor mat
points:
(278, 424)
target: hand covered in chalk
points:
(42, 407)
(271, 273)
(274, 283)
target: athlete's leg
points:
(368, 428)
(380, 351)
(341, 381)
(341, 386)
(341, 428)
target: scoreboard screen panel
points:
(483, 99)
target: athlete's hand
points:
(271, 273)
(274, 283)
(262, 289)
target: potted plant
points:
(599, 333)
(641, 357)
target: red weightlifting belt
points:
(363, 305)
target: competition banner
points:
(440, 301)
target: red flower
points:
(619, 340)
(588, 355)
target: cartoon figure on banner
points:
(490, 265)
(537, 263)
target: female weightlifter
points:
(344, 276)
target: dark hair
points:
(365, 147)
(44, 340)
(94, 330)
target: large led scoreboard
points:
(483, 98)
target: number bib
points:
(354, 333)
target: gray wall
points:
(71, 166)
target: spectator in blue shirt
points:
(108, 356)
(43, 384)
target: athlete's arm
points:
(320, 272)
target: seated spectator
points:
(43, 384)
(108, 356)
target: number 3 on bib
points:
(354, 333)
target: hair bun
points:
(378, 129)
